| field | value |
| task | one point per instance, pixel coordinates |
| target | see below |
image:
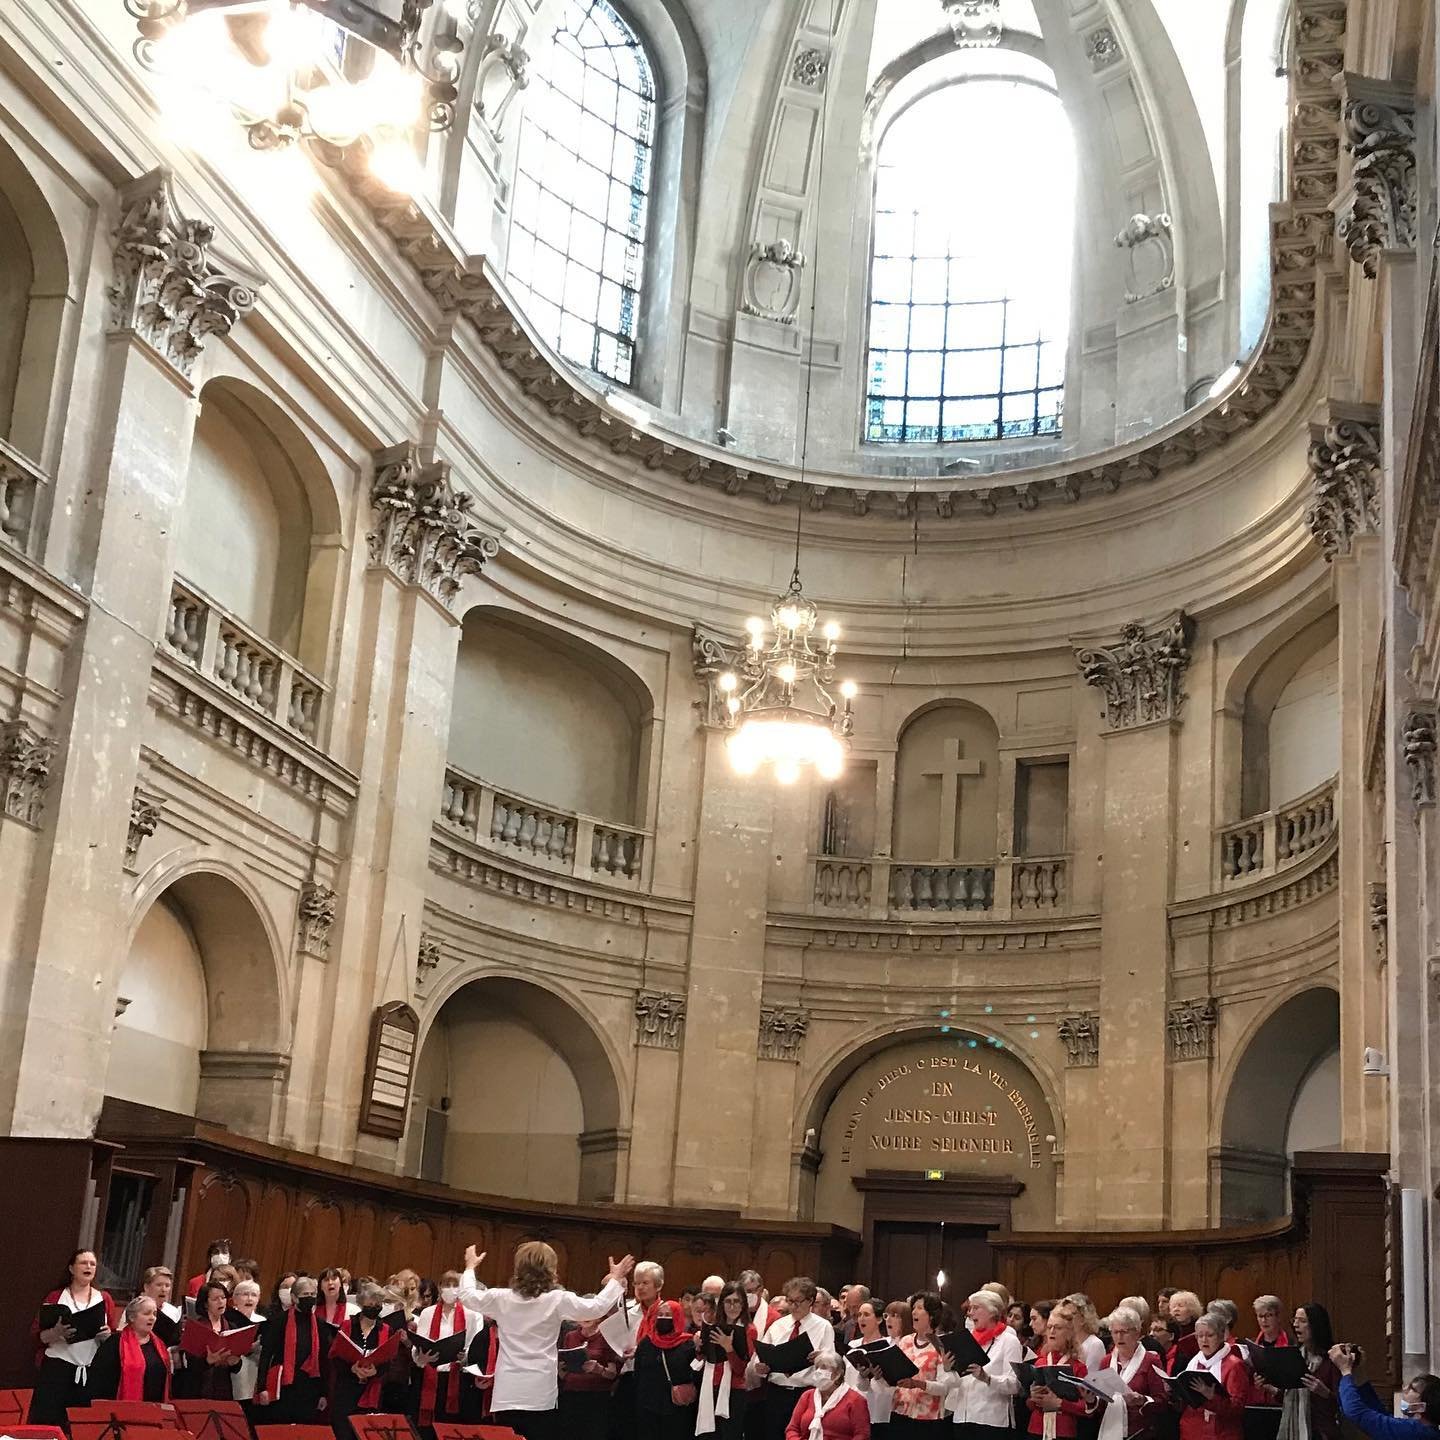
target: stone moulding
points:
(1302, 245)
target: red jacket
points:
(849, 1420)
(112, 1319)
(1070, 1410)
(1223, 1417)
(1147, 1383)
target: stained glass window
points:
(970, 275)
(577, 240)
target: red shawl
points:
(492, 1349)
(370, 1395)
(284, 1373)
(430, 1380)
(132, 1366)
(677, 1335)
(338, 1320)
(985, 1338)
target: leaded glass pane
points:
(577, 242)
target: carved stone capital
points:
(314, 916)
(427, 958)
(975, 23)
(782, 1033)
(25, 759)
(145, 813)
(713, 654)
(168, 289)
(1190, 1027)
(1080, 1035)
(1344, 479)
(1380, 917)
(659, 1019)
(424, 530)
(1417, 744)
(1141, 674)
(1378, 212)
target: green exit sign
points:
(934, 1174)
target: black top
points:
(105, 1369)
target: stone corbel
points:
(1377, 212)
(25, 760)
(427, 958)
(145, 813)
(1344, 463)
(425, 532)
(712, 655)
(1151, 246)
(1417, 744)
(169, 289)
(314, 917)
(1141, 674)
(772, 281)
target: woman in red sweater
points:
(1050, 1416)
(832, 1410)
(1225, 1381)
(1135, 1414)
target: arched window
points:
(577, 241)
(970, 275)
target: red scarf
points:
(985, 1338)
(677, 1335)
(336, 1320)
(1283, 1343)
(370, 1395)
(132, 1367)
(492, 1346)
(430, 1378)
(284, 1373)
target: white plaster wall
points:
(17, 274)
(155, 1050)
(531, 718)
(1315, 1119)
(1305, 728)
(515, 1109)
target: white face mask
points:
(222, 1259)
(285, 1297)
(449, 1294)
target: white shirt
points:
(459, 1319)
(526, 1363)
(879, 1395)
(80, 1353)
(1092, 1352)
(822, 1337)
(977, 1402)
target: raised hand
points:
(619, 1269)
(473, 1257)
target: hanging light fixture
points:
(331, 73)
(779, 706)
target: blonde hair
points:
(1188, 1300)
(1140, 1305)
(537, 1269)
(996, 1288)
(1086, 1319)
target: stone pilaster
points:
(1377, 213)
(169, 300)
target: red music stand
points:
(95, 1424)
(382, 1427)
(135, 1412)
(14, 1407)
(294, 1432)
(35, 1432)
(213, 1419)
(448, 1430)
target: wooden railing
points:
(880, 887)
(254, 671)
(20, 483)
(1266, 844)
(562, 840)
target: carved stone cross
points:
(952, 770)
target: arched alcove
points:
(17, 278)
(542, 714)
(1279, 1091)
(203, 1031)
(947, 785)
(515, 1094)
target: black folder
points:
(1184, 1386)
(167, 1331)
(889, 1359)
(1055, 1378)
(789, 1357)
(1282, 1366)
(86, 1323)
(573, 1358)
(963, 1348)
(446, 1350)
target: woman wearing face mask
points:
(292, 1361)
(217, 1253)
(356, 1384)
(283, 1296)
(436, 1389)
(830, 1410)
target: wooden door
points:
(909, 1254)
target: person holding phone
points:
(1362, 1408)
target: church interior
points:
(545, 696)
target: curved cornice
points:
(1302, 243)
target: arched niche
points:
(956, 1098)
(1286, 1075)
(204, 1029)
(947, 785)
(548, 716)
(256, 501)
(516, 1094)
(1290, 730)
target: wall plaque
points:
(389, 1070)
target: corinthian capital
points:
(168, 288)
(1378, 212)
(424, 530)
(1141, 673)
(1344, 479)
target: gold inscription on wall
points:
(943, 1105)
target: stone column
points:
(59, 980)
(1141, 677)
(423, 543)
(1344, 518)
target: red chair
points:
(14, 1407)
(294, 1432)
(36, 1432)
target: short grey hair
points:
(1228, 1308)
(1265, 1304)
(990, 1300)
(371, 1291)
(1139, 1304)
(715, 1281)
(651, 1268)
(133, 1309)
(1213, 1320)
(829, 1360)
(245, 1287)
(1123, 1315)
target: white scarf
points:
(713, 1403)
(79, 1353)
(1212, 1364)
(1112, 1424)
(817, 1421)
(1047, 1425)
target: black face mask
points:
(371, 1312)
(304, 1303)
